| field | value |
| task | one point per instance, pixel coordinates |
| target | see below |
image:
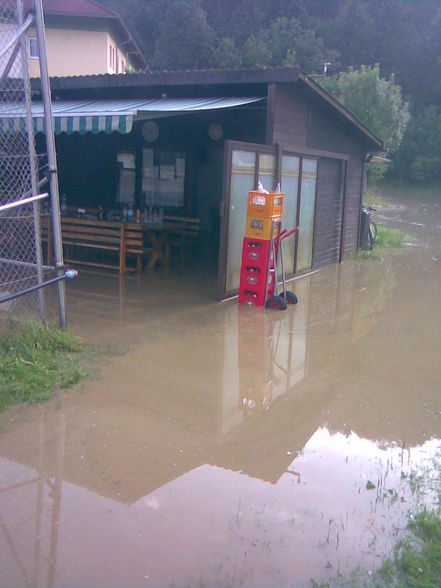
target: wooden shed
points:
(223, 131)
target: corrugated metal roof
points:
(86, 8)
(208, 79)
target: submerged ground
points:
(229, 446)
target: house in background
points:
(83, 38)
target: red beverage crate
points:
(254, 271)
(256, 251)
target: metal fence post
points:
(33, 163)
(52, 159)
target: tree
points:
(256, 52)
(185, 38)
(419, 157)
(226, 55)
(376, 101)
(286, 43)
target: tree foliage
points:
(419, 158)
(183, 47)
(376, 101)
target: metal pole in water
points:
(52, 159)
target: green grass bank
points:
(386, 239)
(36, 361)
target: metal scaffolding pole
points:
(33, 164)
(52, 159)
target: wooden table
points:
(157, 234)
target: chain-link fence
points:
(21, 235)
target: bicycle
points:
(372, 230)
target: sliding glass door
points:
(245, 165)
(243, 170)
(290, 188)
(308, 188)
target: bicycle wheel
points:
(372, 234)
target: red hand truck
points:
(278, 301)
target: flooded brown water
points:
(229, 446)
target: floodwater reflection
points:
(230, 446)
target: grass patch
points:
(389, 238)
(417, 561)
(363, 254)
(386, 239)
(35, 361)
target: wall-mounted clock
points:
(215, 132)
(150, 131)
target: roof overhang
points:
(95, 116)
(375, 143)
(154, 79)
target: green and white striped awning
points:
(108, 116)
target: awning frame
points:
(108, 116)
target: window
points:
(112, 57)
(33, 48)
(163, 177)
(123, 66)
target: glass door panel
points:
(242, 181)
(290, 187)
(267, 171)
(307, 209)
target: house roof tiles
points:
(86, 8)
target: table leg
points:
(159, 249)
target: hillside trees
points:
(419, 158)
(183, 47)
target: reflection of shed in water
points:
(126, 442)
(195, 142)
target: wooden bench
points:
(186, 235)
(119, 239)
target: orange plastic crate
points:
(261, 205)
(260, 227)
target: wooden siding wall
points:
(324, 132)
(298, 121)
(290, 119)
(328, 213)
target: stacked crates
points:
(264, 212)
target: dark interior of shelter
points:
(178, 168)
